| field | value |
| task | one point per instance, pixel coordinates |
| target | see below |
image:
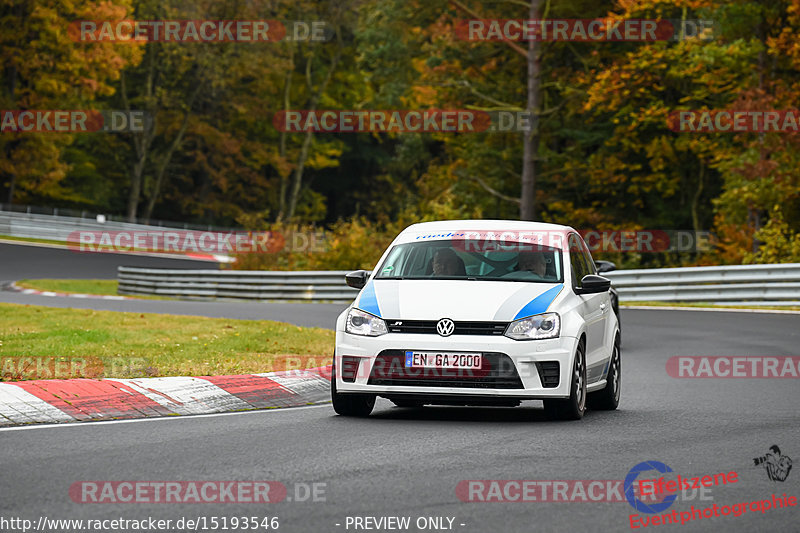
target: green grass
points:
(77, 286)
(32, 240)
(708, 305)
(100, 287)
(85, 343)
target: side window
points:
(576, 260)
(590, 266)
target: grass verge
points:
(33, 241)
(709, 305)
(46, 343)
(98, 287)
(103, 287)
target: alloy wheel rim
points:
(617, 365)
(579, 381)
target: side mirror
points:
(604, 266)
(592, 284)
(357, 279)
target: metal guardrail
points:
(309, 286)
(751, 284)
(748, 284)
(57, 227)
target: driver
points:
(445, 263)
(533, 262)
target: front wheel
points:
(571, 408)
(360, 405)
(607, 399)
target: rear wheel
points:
(571, 408)
(607, 399)
(350, 404)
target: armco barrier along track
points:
(745, 284)
(244, 284)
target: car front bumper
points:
(527, 359)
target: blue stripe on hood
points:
(368, 301)
(540, 303)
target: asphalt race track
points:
(403, 462)
(33, 262)
(21, 261)
(300, 314)
(408, 463)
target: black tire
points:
(360, 405)
(607, 399)
(411, 404)
(571, 408)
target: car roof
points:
(485, 225)
(444, 229)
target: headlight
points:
(362, 323)
(544, 326)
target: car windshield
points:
(452, 259)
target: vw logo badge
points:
(445, 327)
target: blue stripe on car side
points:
(368, 301)
(540, 303)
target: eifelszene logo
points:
(629, 487)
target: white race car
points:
(480, 312)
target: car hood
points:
(500, 301)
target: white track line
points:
(714, 309)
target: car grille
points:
(461, 328)
(498, 372)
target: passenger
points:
(534, 262)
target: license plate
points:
(443, 360)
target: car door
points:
(595, 309)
